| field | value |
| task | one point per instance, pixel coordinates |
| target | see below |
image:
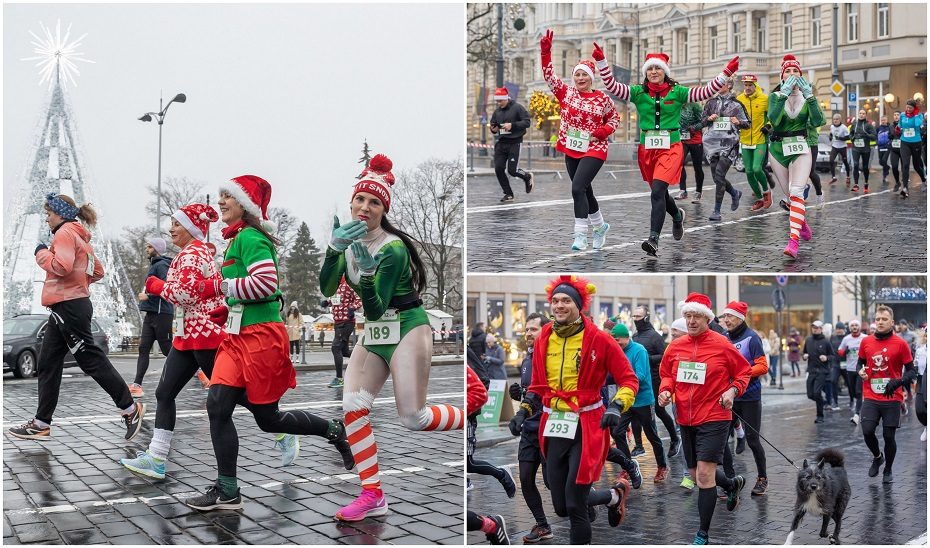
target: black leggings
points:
(861, 156)
(696, 151)
(664, 416)
(644, 415)
(752, 412)
(911, 152)
(841, 152)
(222, 401)
(180, 367)
(854, 383)
(815, 177)
(530, 492)
(484, 468)
(340, 345)
(883, 154)
(719, 165)
(295, 347)
(582, 172)
(473, 521)
(155, 327)
(662, 203)
(896, 165)
(871, 441)
(563, 457)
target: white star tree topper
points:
(56, 56)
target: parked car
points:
(22, 343)
(822, 162)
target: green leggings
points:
(753, 158)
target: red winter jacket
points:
(695, 403)
(477, 394)
(65, 264)
(600, 355)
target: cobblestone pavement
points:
(853, 232)
(667, 514)
(72, 489)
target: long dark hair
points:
(416, 264)
(252, 221)
(294, 312)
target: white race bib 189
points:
(692, 372)
(721, 125)
(792, 146)
(234, 320)
(658, 139)
(384, 331)
(577, 140)
(859, 143)
(909, 132)
(561, 424)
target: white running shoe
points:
(581, 242)
(923, 435)
(600, 234)
(820, 201)
(855, 419)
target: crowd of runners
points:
(584, 389)
(228, 322)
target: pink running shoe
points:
(370, 503)
(806, 233)
(792, 249)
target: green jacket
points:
(810, 114)
(669, 111)
(248, 247)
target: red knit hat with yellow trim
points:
(377, 179)
(579, 289)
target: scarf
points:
(658, 88)
(568, 330)
(915, 113)
(230, 231)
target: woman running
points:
(658, 104)
(295, 327)
(791, 109)
(381, 264)
(252, 366)
(895, 156)
(909, 131)
(862, 133)
(588, 118)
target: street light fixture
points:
(160, 118)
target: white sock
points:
(40, 424)
(129, 410)
(596, 219)
(160, 445)
(614, 498)
(740, 433)
(581, 226)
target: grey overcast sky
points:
(285, 91)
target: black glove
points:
(892, 386)
(516, 423)
(325, 303)
(611, 418)
(40, 247)
(765, 130)
(516, 392)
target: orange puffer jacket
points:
(66, 266)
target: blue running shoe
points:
(701, 538)
(146, 464)
(289, 444)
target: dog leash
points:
(742, 420)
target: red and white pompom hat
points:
(586, 65)
(501, 94)
(696, 302)
(656, 60)
(253, 193)
(737, 308)
(196, 219)
(377, 179)
(789, 61)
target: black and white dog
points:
(823, 489)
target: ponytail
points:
(87, 214)
(416, 264)
(252, 221)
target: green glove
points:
(367, 264)
(344, 235)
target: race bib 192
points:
(577, 140)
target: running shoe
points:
(661, 474)
(757, 205)
(336, 383)
(636, 478)
(146, 464)
(762, 484)
(897, 187)
(638, 451)
(581, 242)
(806, 233)
(675, 448)
(538, 533)
(135, 390)
(499, 536)
(923, 435)
(678, 227)
(469, 485)
(832, 180)
(876, 462)
(697, 198)
(682, 195)
(855, 188)
(134, 421)
(784, 205)
(600, 234)
(31, 431)
(886, 476)
(734, 204)
(791, 249)
(507, 481)
(715, 216)
(904, 193)
(507, 198)
(733, 495)
(213, 500)
(289, 444)
(341, 444)
(651, 246)
(836, 407)
(855, 419)
(616, 512)
(204, 380)
(687, 483)
(701, 538)
(767, 199)
(818, 420)
(820, 200)
(866, 190)
(530, 182)
(370, 503)
(740, 445)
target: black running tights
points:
(841, 152)
(662, 203)
(530, 492)
(697, 157)
(910, 153)
(815, 177)
(582, 172)
(752, 412)
(484, 468)
(891, 447)
(563, 457)
(180, 367)
(860, 157)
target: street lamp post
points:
(160, 118)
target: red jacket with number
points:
(699, 403)
(477, 394)
(600, 354)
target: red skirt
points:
(257, 359)
(662, 164)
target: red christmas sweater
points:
(600, 355)
(725, 368)
(343, 300)
(883, 359)
(192, 265)
(587, 111)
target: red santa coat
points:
(600, 355)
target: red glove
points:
(598, 53)
(841, 352)
(897, 131)
(732, 67)
(218, 315)
(545, 43)
(207, 289)
(153, 285)
(602, 132)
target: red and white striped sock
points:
(796, 217)
(364, 448)
(445, 417)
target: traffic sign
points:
(852, 97)
(837, 88)
(781, 280)
(779, 299)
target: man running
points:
(509, 122)
(692, 139)
(345, 303)
(724, 117)
(849, 351)
(885, 365)
(754, 143)
(704, 373)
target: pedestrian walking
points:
(754, 146)
(381, 264)
(909, 130)
(692, 140)
(509, 123)
(817, 352)
(839, 136)
(70, 267)
(494, 359)
(252, 367)
(588, 117)
(658, 103)
(774, 353)
(343, 304)
(848, 351)
(294, 322)
(725, 118)
(862, 133)
(158, 314)
(793, 342)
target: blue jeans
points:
(773, 368)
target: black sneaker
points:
(784, 205)
(529, 182)
(499, 536)
(341, 443)
(213, 500)
(675, 448)
(886, 476)
(734, 204)
(678, 227)
(509, 486)
(762, 484)
(507, 198)
(904, 193)
(638, 451)
(897, 187)
(616, 512)
(818, 420)
(651, 247)
(538, 533)
(733, 495)
(740, 445)
(31, 431)
(636, 476)
(134, 421)
(876, 462)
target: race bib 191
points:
(234, 320)
(561, 424)
(658, 139)
(692, 372)
(577, 140)
(792, 146)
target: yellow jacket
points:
(757, 107)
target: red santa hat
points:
(253, 193)
(696, 302)
(737, 308)
(377, 179)
(656, 60)
(501, 94)
(579, 289)
(586, 65)
(789, 61)
(196, 219)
